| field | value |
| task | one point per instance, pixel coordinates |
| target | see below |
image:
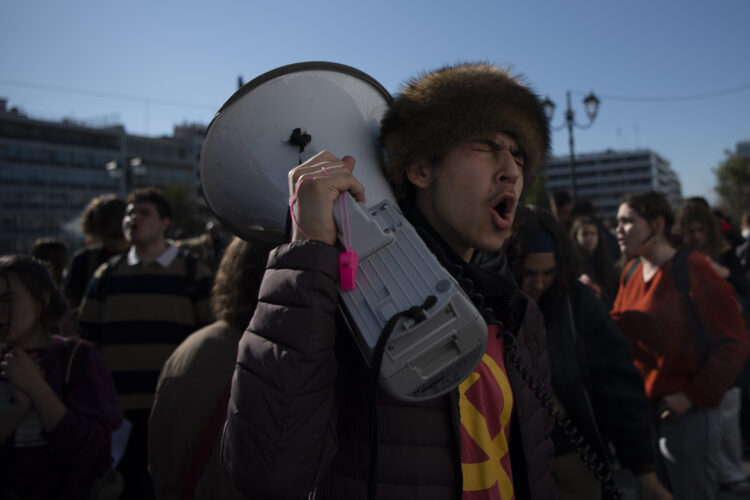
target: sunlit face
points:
(538, 273)
(634, 232)
(142, 224)
(587, 237)
(470, 198)
(697, 235)
(19, 312)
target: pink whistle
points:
(348, 262)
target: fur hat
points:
(440, 109)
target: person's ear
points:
(657, 225)
(420, 174)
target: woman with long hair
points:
(699, 229)
(58, 405)
(596, 261)
(193, 388)
(593, 376)
(687, 361)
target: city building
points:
(603, 178)
(743, 149)
(50, 170)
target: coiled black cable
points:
(596, 465)
(416, 313)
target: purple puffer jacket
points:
(298, 415)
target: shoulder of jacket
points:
(690, 261)
(532, 324)
(108, 266)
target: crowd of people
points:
(139, 367)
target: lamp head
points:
(591, 104)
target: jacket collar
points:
(486, 274)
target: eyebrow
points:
(516, 152)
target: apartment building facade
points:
(50, 170)
(603, 178)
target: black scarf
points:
(486, 279)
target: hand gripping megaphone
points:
(284, 117)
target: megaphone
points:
(284, 117)
(248, 148)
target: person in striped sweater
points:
(137, 309)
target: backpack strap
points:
(70, 373)
(191, 263)
(631, 269)
(206, 444)
(112, 263)
(681, 276)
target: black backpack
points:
(681, 276)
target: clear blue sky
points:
(153, 64)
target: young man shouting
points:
(459, 144)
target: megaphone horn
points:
(277, 121)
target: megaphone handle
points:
(357, 229)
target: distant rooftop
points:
(109, 122)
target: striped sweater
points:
(138, 314)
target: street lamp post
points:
(591, 106)
(126, 171)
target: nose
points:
(537, 283)
(508, 170)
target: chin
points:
(490, 247)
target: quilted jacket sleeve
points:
(279, 437)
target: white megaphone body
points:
(285, 117)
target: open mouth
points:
(504, 208)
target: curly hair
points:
(102, 217)
(695, 211)
(235, 289)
